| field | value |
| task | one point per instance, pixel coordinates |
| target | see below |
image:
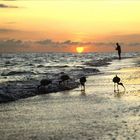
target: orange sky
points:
(82, 21)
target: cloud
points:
(58, 44)
(123, 38)
(45, 42)
(7, 6)
(134, 44)
(10, 22)
(48, 45)
(3, 30)
(129, 36)
(49, 42)
(11, 43)
(94, 46)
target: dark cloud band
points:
(7, 6)
(2, 30)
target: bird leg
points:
(114, 87)
(83, 87)
(117, 87)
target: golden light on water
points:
(80, 49)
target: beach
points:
(97, 114)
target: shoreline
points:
(31, 90)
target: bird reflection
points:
(83, 93)
(119, 94)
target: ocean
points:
(21, 72)
(25, 66)
(98, 113)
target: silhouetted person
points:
(117, 80)
(118, 48)
(82, 82)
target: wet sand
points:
(98, 114)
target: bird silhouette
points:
(44, 82)
(116, 81)
(64, 78)
(82, 82)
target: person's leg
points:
(119, 55)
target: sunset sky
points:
(46, 25)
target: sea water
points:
(23, 66)
(20, 73)
(98, 113)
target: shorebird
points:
(117, 80)
(64, 78)
(82, 82)
(44, 82)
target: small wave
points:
(10, 63)
(100, 62)
(7, 62)
(40, 66)
(104, 62)
(63, 66)
(16, 73)
(90, 70)
(85, 71)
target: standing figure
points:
(118, 48)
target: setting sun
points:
(80, 49)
